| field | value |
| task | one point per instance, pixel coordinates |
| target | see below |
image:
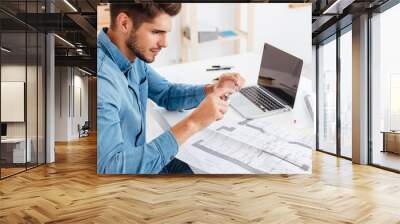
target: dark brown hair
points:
(143, 12)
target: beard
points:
(137, 50)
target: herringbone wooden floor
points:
(70, 191)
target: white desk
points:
(240, 160)
(16, 146)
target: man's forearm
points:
(184, 130)
(212, 108)
(188, 127)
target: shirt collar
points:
(104, 42)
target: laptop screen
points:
(280, 73)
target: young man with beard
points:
(125, 80)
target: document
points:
(257, 146)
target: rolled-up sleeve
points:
(173, 96)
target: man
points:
(125, 81)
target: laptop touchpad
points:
(241, 103)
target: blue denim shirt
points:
(122, 92)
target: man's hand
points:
(230, 80)
(227, 80)
(212, 108)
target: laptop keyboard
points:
(260, 99)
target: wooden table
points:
(391, 141)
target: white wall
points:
(61, 103)
(13, 72)
(68, 81)
(281, 26)
(211, 16)
(286, 28)
(80, 82)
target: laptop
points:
(276, 87)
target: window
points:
(385, 86)
(334, 138)
(327, 97)
(346, 75)
(394, 101)
(22, 77)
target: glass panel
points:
(31, 98)
(32, 88)
(41, 98)
(41, 90)
(394, 102)
(13, 87)
(327, 96)
(386, 89)
(23, 87)
(346, 94)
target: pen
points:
(217, 69)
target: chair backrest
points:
(86, 125)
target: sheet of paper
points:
(248, 146)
